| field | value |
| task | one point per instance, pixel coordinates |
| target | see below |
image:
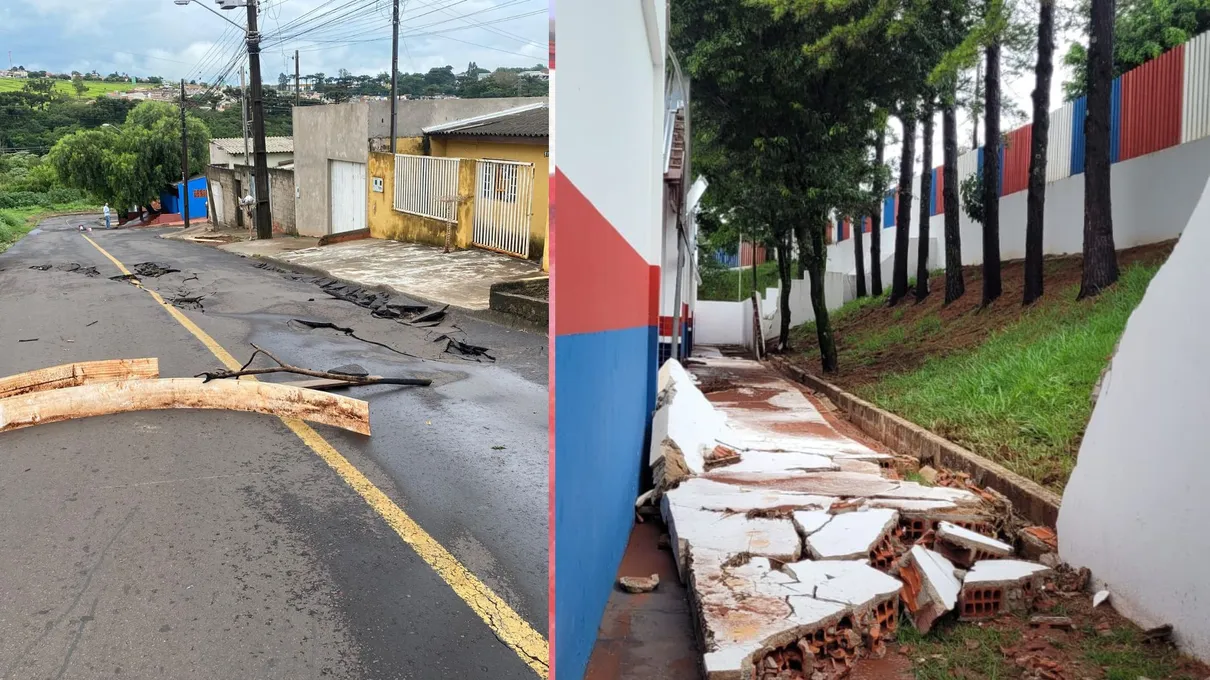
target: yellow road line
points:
(507, 625)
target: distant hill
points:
(95, 87)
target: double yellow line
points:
(507, 625)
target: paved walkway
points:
(462, 278)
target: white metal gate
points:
(216, 201)
(504, 206)
(348, 196)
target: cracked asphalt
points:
(210, 544)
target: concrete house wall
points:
(281, 196)
(323, 134)
(348, 132)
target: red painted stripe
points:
(939, 190)
(603, 283)
(1151, 105)
(1016, 160)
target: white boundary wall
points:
(1153, 197)
(1135, 509)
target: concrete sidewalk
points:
(462, 278)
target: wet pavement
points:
(212, 544)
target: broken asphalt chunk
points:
(350, 369)
(467, 351)
(153, 270)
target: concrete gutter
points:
(1030, 499)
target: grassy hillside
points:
(95, 87)
(1012, 384)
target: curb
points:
(344, 237)
(489, 315)
(506, 298)
(1030, 499)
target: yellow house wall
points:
(522, 152)
(386, 222)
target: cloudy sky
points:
(157, 37)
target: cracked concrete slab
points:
(704, 493)
(930, 587)
(695, 529)
(851, 535)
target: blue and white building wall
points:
(608, 246)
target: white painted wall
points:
(1153, 196)
(625, 184)
(722, 323)
(1136, 507)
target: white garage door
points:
(348, 196)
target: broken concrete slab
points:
(684, 429)
(810, 521)
(992, 587)
(930, 588)
(851, 535)
(703, 493)
(776, 462)
(965, 547)
(749, 611)
(730, 534)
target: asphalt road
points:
(210, 544)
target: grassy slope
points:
(720, 284)
(17, 222)
(95, 87)
(1019, 395)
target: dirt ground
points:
(965, 323)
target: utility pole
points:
(394, 70)
(184, 160)
(264, 223)
(296, 90)
(244, 114)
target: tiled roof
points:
(235, 145)
(527, 121)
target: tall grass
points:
(17, 222)
(1023, 397)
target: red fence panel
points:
(1151, 105)
(1016, 160)
(848, 229)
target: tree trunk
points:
(784, 274)
(974, 114)
(818, 259)
(859, 255)
(992, 286)
(926, 193)
(903, 218)
(876, 222)
(954, 285)
(1100, 257)
(1035, 201)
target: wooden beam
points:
(80, 373)
(172, 393)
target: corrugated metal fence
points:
(1158, 105)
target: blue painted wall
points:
(604, 397)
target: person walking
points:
(106, 215)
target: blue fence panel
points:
(1079, 112)
(1115, 120)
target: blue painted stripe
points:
(1115, 120)
(604, 396)
(888, 211)
(1078, 114)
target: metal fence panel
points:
(1151, 105)
(1195, 104)
(427, 186)
(1058, 147)
(504, 201)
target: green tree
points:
(789, 132)
(132, 165)
(77, 83)
(1143, 30)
